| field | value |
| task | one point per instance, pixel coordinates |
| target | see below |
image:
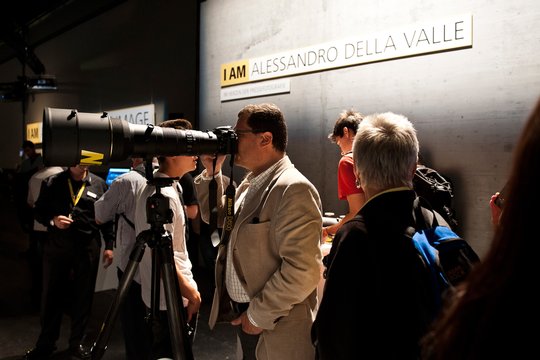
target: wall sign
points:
(142, 115)
(34, 132)
(271, 87)
(431, 37)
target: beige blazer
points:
(277, 258)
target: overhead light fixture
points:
(41, 83)
(17, 90)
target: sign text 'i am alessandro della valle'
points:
(439, 35)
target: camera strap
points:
(230, 194)
(212, 204)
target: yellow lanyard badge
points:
(76, 198)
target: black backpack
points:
(448, 257)
(437, 190)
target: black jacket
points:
(374, 299)
(55, 199)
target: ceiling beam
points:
(31, 30)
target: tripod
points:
(159, 240)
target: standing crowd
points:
(268, 263)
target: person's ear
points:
(266, 138)
(414, 169)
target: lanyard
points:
(76, 198)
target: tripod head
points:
(158, 211)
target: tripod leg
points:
(100, 345)
(178, 331)
(155, 289)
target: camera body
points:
(227, 140)
(71, 137)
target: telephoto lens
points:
(71, 137)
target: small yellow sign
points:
(235, 73)
(33, 132)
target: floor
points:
(19, 321)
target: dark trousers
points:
(208, 251)
(249, 344)
(247, 341)
(137, 337)
(193, 247)
(35, 261)
(69, 277)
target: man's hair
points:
(178, 124)
(347, 119)
(385, 151)
(267, 117)
(28, 144)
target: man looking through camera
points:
(268, 270)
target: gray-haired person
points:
(374, 258)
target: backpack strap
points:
(129, 222)
(425, 217)
(116, 217)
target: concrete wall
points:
(467, 105)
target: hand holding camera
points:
(208, 163)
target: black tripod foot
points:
(79, 352)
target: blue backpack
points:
(448, 257)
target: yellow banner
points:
(33, 132)
(235, 73)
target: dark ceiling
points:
(30, 23)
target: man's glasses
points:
(244, 131)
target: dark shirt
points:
(374, 299)
(55, 199)
(189, 197)
(31, 165)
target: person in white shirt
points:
(169, 166)
(118, 204)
